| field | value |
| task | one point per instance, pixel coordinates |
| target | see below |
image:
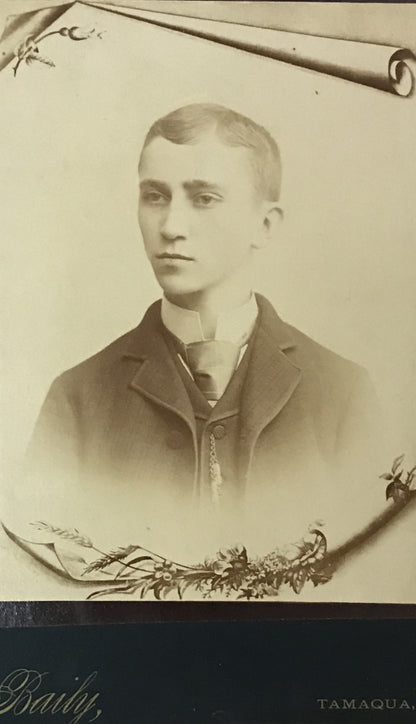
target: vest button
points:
(175, 440)
(219, 432)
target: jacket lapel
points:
(270, 382)
(157, 377)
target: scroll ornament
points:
(386, 67)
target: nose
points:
(175, 222)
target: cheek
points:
(239, 233)
(222, 222)
(240, 219)
(148, 224)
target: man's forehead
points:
(207, 159)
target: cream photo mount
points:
(231, 572)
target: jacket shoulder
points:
(313, 356)
(341, 395)
(100, 362)
(107, 362)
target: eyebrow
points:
(154, 184)
(192, 186)
(200, 185)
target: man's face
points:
(199, 213)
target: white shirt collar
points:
(232, 326)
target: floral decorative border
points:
(136, 570)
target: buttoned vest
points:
(217, 428)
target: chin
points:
(178, 287)
(180, 290)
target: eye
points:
(153, 197)
(206, 200)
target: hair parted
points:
(187, 124)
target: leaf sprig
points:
(28, 50)
(399, 490)
(66, 533)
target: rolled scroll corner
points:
(386, 67)
(402, 72)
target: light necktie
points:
(212, 364)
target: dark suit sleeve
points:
(360, 429)
(54, 447)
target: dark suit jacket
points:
(123, 417)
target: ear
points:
(271, 219)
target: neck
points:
(211, 303)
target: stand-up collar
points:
(232, 326)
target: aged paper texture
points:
(295, 478)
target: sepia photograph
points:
(209, 301)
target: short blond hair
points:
(187, 124)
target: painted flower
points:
(77, 33)
(28, 51)
(231, 561)
(165, 571)
(28, 46)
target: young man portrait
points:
(213, 403)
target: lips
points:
(174, 257)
